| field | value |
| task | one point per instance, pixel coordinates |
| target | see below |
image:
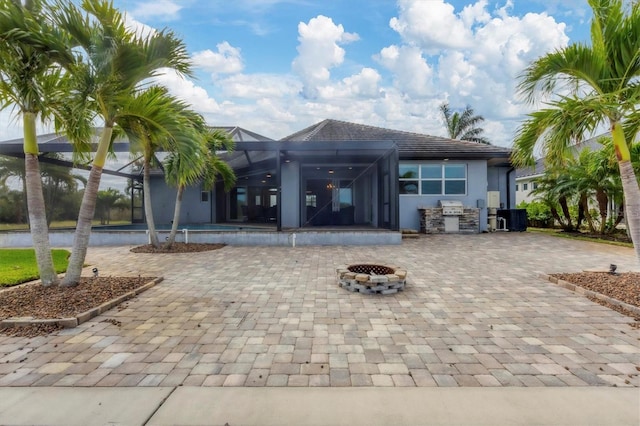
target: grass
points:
(19, 265)
(559, 233)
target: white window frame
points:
(419, 179)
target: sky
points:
(277, 66)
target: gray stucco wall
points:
(476, 190)
(290, 210)
(163, 199)
(497, 181)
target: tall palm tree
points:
(118, 62)
(590, 85)
(165, 126)
(30, 76)
(179, 171)
(463, 126)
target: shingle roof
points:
(410, 145)
(592, 143)
(538, 169)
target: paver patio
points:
(474, 313)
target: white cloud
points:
(431, 25)
(226, 60)
(188, 91)
(258, 86)
(412, 73)
(475, 55)
(165, 10)
(319, 51)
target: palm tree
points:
(165, 127)
(555, 191)
(14, 168)
(592, 84)
(179, 170)
(463, 126)
(107, 200)
(118, 63)
(30, 77)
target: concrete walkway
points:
(474, 314)
(322, 407)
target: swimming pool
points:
(190, 227)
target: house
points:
(341, 174)
(526, 177)
(330, 175)
(526, 181)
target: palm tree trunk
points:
(630, 186)
(148, 211)
(632, 203)
(603, 207)
(565, 211)
(584, 202)
(87, 210)
(176, 218)
(35, 203)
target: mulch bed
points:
(624, 287)
(34, 300)
(178, 248)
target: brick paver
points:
(474, 313)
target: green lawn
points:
(19, 265)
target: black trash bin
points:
(516, 219)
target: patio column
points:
(278, 191)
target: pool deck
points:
(475, 315)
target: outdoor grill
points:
(451, 212)
(451, 207)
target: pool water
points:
(190, 227)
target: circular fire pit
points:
(372, 278)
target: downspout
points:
(511, 170)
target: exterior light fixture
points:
(330, 172)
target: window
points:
(525, 186)
(535, 185)
(517, 187)
(204, 196)
(433, 179)
(408, 179)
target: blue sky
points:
(277, 66)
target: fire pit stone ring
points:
(371, 278)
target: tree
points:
(30, 77)
(14, 168)
(585, 86)
(179, 171)
(165, 126)
(118, 63)
(107, 200)
(554, 191)
(58, 185)
(463, 126)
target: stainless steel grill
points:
(451, 207)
